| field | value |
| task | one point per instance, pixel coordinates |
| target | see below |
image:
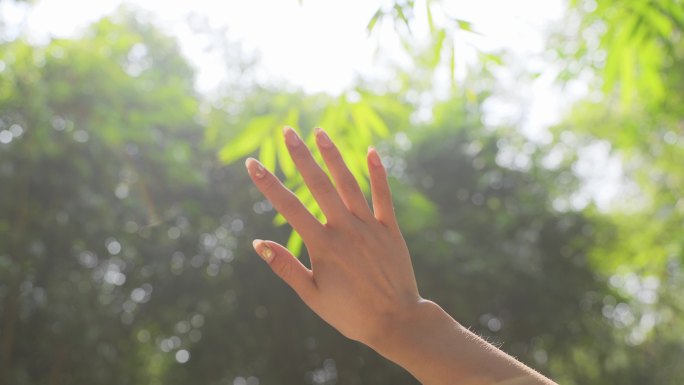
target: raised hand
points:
(361, 277)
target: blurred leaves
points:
(127, 217)
(640, 118)
(354, 125)
(255, 134)
(444, 33)
(636, 38)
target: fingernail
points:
(323, 138)
(255, 168)
(291, 137)
(261, 247)
(374, 157)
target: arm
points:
(361, 280)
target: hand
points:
(361, 278)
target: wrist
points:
(425, 340)
(408, 327)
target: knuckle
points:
(299, 154)
(290, 205)
(283, 269)
(319, 183)
(356, 232)
(382, 191)
(379, 176)
(270, 184)
(336, 158)
(349, 184)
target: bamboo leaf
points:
(284, 160)
(437, 48)
(452, 63)
(267, 152)
(399, 11)
(431, 22)
(465, 25)
(375, 122)
(279, 220)
(363, 133)
(248, 141)
(294, 244)
(374, 20)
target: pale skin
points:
(361, 279)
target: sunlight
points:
(321, 46)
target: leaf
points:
(363, 134)
(437, 48)
(294, 244)
(627, 76)
(279, 220)
(329, 118)
(374, 20)
(284, 160)
(248, 140)
(676, 13)
(375, 122)
(494, 58)
(304, 195)
(357, 166)
(267, 152)
(660, 22)
(399, 11)
(452, 63)
(431, 22)
(465, 25)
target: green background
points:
(126, 216)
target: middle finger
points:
(315, 178)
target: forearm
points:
(437, 350)
(361, 279)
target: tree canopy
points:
(126, 217)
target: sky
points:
(296, 42)
(323, 45)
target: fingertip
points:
(248, 162)
(255, 243)
(287, 267)
(263, 249)
(291, 137)
(380, 190)
(255, 168)
(322, 138)
(374, 157)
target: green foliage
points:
(630, 43)
(640, 237)
(126, 219)
(355, 125)
(646, 136)
(445, 30)
(84, 163)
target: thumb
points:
(287, 267)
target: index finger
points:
(284, 200)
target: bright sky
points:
(323, 45)
(320, 46)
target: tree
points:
(635, 52)
(125, 240)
